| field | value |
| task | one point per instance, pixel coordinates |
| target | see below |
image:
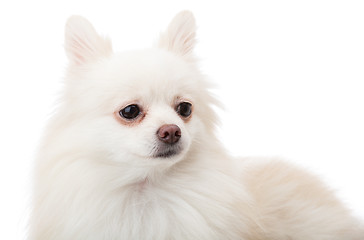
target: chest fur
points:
(178, 213)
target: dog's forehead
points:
(151, 61)
(151, 73)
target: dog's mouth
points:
(166, 151)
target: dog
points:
(131, 153)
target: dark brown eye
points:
(184, 109)
(130, 112)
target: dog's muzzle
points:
(168, 136)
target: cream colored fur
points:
(96, 177)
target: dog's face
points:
(145, 108)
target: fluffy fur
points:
(96, 177)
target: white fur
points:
(95, 176)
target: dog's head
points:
(146, 107)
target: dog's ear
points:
(82, 43)
(180, 35)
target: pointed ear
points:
(82, 43)
(180, 35)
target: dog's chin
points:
(168, 152)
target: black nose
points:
(169, 133)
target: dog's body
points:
(131, 154)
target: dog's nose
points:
(169, 133)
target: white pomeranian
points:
(131, 154)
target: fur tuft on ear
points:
(180, 35)
(82, 43)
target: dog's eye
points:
(130, 112)
(184, 109)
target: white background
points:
(291, 75)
